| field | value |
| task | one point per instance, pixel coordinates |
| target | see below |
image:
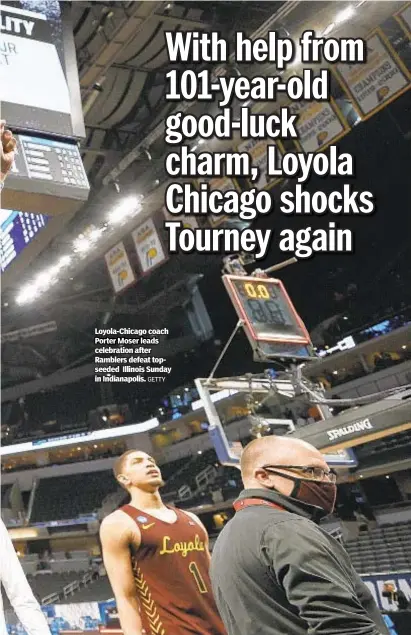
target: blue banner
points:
(81, 617)
(376, 583)
(92, 616)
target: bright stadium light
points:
(344, 15)
(81, 244)
(127, 208)
(64, 262)
(28, 293)
(329, 28)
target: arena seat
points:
(98, 591)
(45, 584)
(386, 548)
(188, 473)
(56, 499)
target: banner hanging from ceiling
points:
(378, 82)
(119, 268)
(319, 124)
(148, 246)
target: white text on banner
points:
(189, 222)
(319, 124)
(148, 246)
(379, 81)
(119, 268)
(258, 151)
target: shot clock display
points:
(268, 315)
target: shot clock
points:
(269, 318)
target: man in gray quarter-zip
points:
(274, 571)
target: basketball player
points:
(157, 558)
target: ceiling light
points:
(64, 261)
(126, 208)
(81, 244)
(328, 29)
(344, 15)
(44, 279)
(27, 294)
(94, 234)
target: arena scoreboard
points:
(41, 102)
(269, 319)
(48, 177)
(38, 69)
(18, 230)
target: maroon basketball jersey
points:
(171, 574)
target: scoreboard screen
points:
(38, 69)
(269, 318)
(18, 230)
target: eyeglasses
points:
(312, 473)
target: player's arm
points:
(116, 536)
(207, 543)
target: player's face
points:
(141, 471)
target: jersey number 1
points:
(197, 577)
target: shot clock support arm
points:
(357, 425)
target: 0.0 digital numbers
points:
(259, 291)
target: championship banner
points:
(404, 18)
(148, 246)
(258, 150)
(119, 268)
(319, 124)
(378, 82)
(222, 184)
(189, 222)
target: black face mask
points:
(318, 493)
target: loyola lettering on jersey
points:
(183, 548)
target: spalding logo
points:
(358, 426)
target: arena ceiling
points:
(122, 65)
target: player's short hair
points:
(119, 463)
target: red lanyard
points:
(249, 502)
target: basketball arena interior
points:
(348, 393)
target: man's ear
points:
(262, 476)
(123, 480)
